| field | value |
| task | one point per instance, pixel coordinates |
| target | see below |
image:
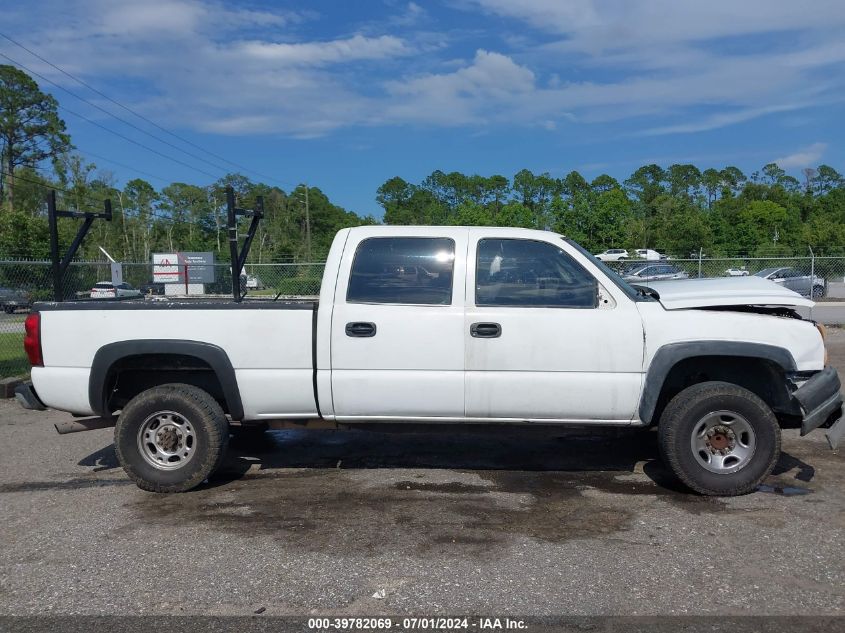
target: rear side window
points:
(406, 270)
(512, 272)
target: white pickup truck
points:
(443, 326)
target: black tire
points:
(684, 418)
(209, 431)
(9, 309)
(817, 292)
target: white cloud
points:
(317, 53)
(807, 157)
(721, 119)
(218, 67)
(595, 26)
(461, 96)
(412, 14)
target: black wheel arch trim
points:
(669, 355)
(214, 356)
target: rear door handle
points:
(485, 330)
(361, 329)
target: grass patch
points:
(13, 361)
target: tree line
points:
(678, 210)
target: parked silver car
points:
(11, 300)
(795, 280)
(654, 272)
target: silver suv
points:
(813, 287)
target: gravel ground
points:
(319, 522)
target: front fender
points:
(669, 355)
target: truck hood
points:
(727, 291)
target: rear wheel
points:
(818, 292)
(719, 439)
(171, 438)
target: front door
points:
(397, 342)
(544, 340)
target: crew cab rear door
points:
(397, 339)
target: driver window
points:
(513, 272)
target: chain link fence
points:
(822, 278)
(23, 283)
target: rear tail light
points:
(32, 339)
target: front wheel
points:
(719, 439)
(171, 438)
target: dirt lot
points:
(319, 522)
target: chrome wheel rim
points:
(167, 440)
(723, 442)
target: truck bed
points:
(270, 345)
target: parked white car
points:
(613, 255)
(649, 254)
(736, 272)
(254, 283)
(505, 327)
(108, 290)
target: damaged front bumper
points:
(820, 399)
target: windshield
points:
(766, 272)
(614, 277)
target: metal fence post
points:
(812, 271)
(699, 262)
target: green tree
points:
(712, 182)
(764, 225)
(733, 180)
(646, 184)
(827, 179)
(30, 128)
(773, 174)
(679, 227)
(684, 180)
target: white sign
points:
(166, 268)
(116, 273)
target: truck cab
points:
(499, 327)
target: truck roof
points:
(381, 229)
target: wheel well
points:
(761, 376)
(131, 375)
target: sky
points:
(345, 95)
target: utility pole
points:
(307, 225)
